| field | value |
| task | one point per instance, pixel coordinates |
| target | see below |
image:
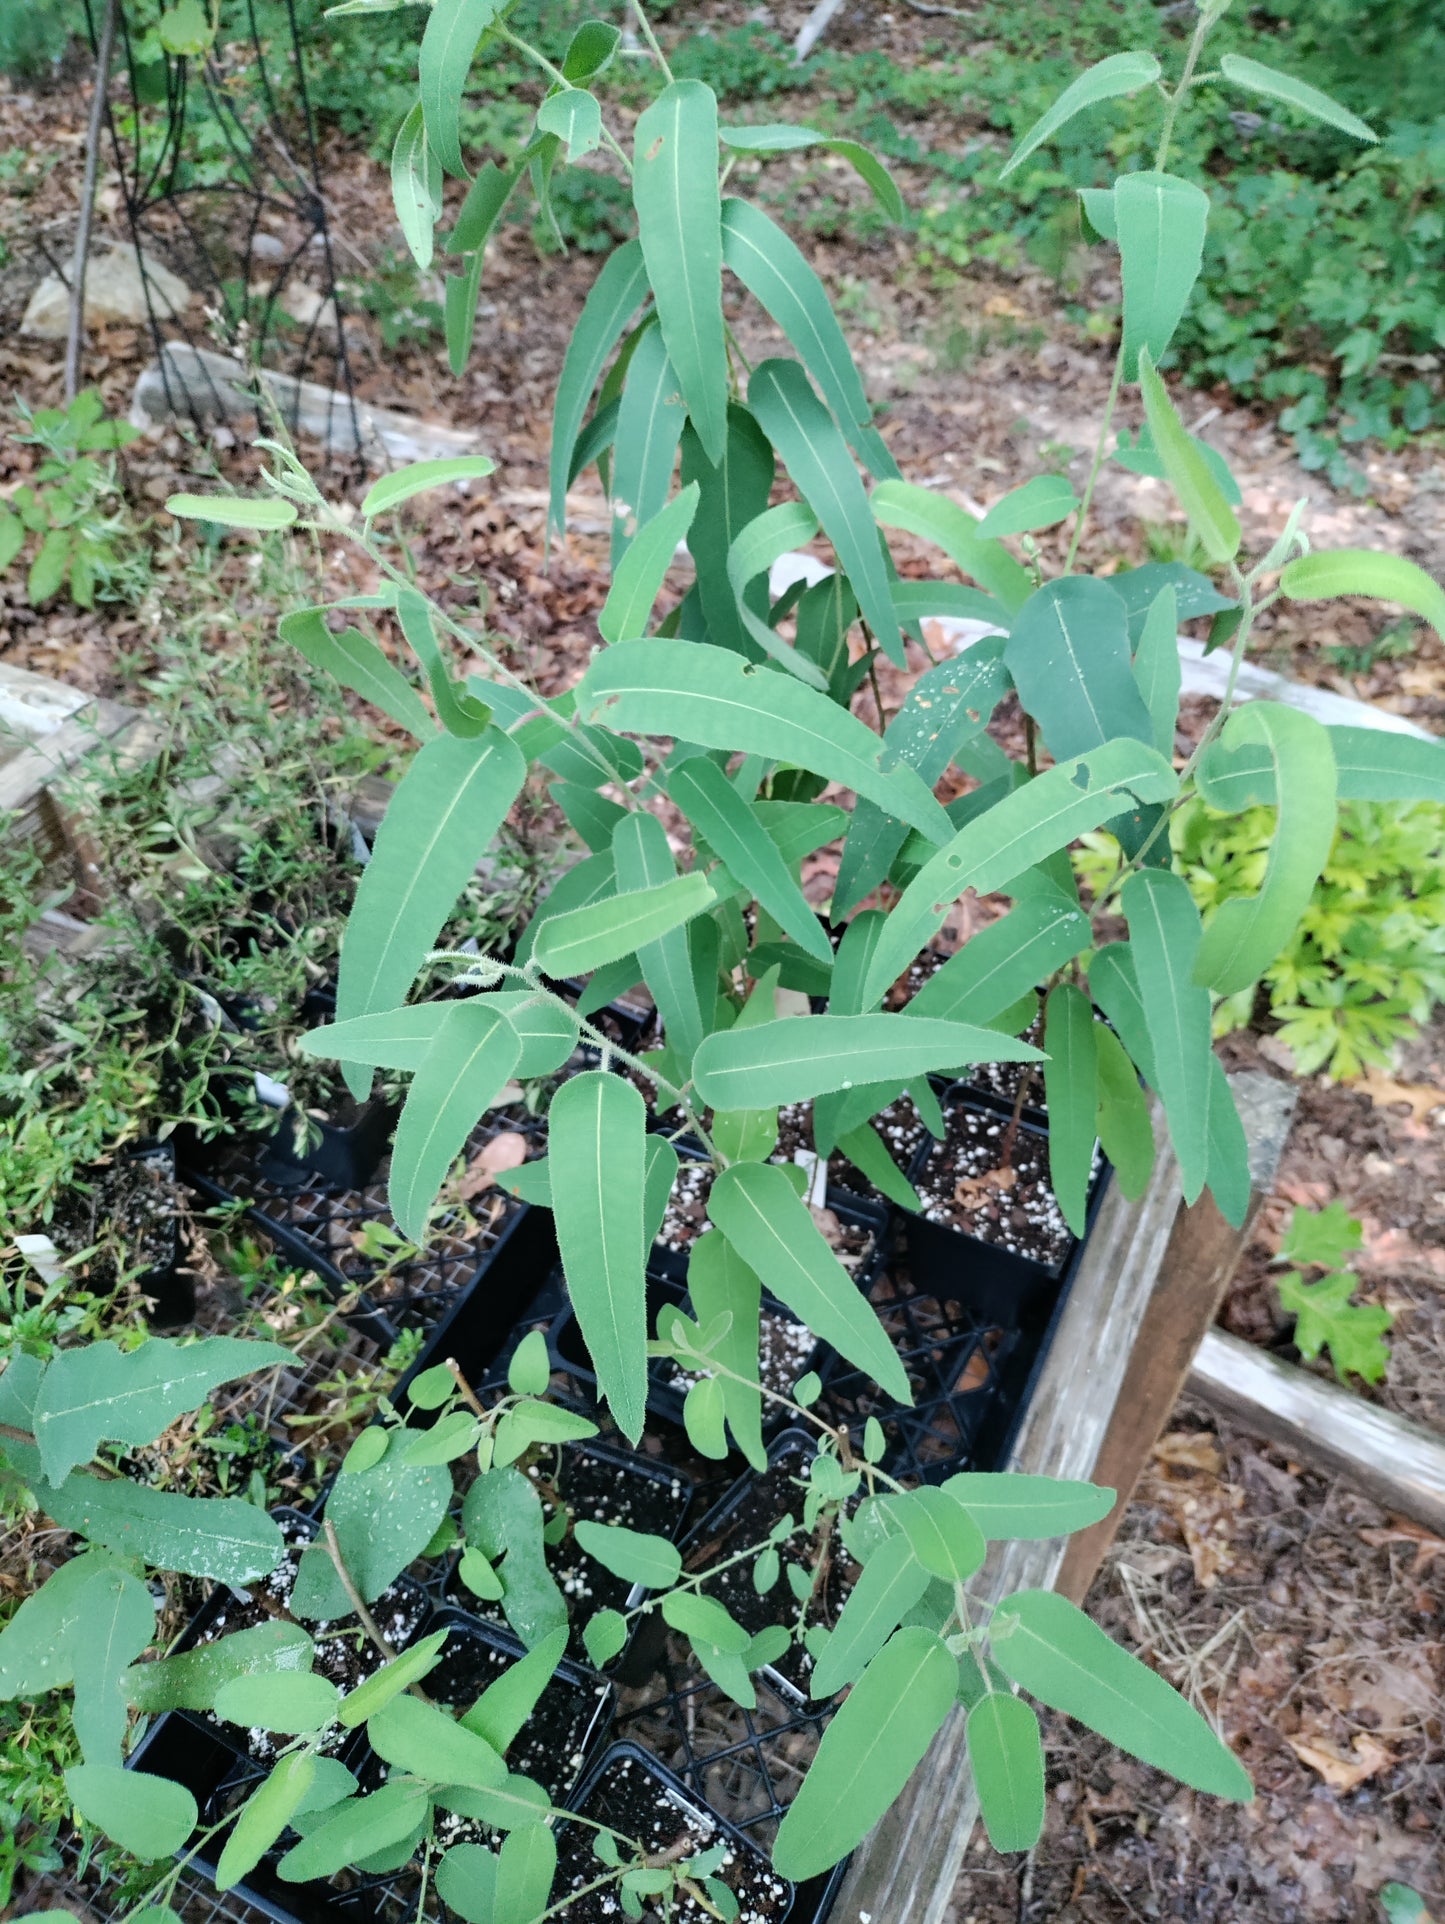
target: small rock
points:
(114, 291)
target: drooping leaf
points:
(1068, 653)
(762, 1216)
(446, 809)
(1274, 85)
(1159, 223)
(1041, 503)
(1006, 1755)
(1070, 1088)
(100, 1393)
(1015, 834)
(219, 1536)
(924, 512)
(1009, 1506)
(266, 1813)
(1359, 571)
(1199, 494)
(869, 1751)
(357, 663)
(1120, 73)
(502, 1518)
(1164, 938)
(526, 1867)
(812, 447)
(492, 187)
(148, 1816)
(461, 1075)
(708, 696)
(615, 296)
(644, 860)
(638, 580)
(1246, 933)
(779, 138)
(650, 418)
(1003, 961)
(733, 832)
(416, 187)
(453, 31)
(675, 191)
(459, 712)
(1048, 1645)
(805, 1056)
(584, 939)
(865, 1149)
(1121, 1117)
(720, 1283)
(755, 548)
(774, 271)
(1158, 670)
(889, 1585)
(733, 493)
(598, 1123)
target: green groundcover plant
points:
(736, 710)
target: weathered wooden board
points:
(906, 1871)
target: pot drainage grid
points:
(325, 1228)
(79, 1888)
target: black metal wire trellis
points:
(220, 176)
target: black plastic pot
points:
(626, 1776)
(169, 1291)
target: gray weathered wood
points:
(1400, 1464)
(906, 1871)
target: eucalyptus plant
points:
(737, 710)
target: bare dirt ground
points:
(1309, 1623)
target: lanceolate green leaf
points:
(1246, 933)
(452, 32)
(229, 511)
(416, 187)
(416, 478)
(1068, 653)
(1371, 765)
(754, 550)
(354, 660)
(1003, 961)
(772, 269)
(597, 1129)
(100, 1393)
(781, 138)
(756, 1207)
(460, 713)
(733, 493)
(638, 580)
(1007, 1758)
(1048, 1645)
(649, 425)
(1260, 79)
(400, 1038)
(1121, 73)
(720, 1283)
(506, 1703)
(615, 296)
(1164, 936)
(593, 880)
(644, 860)
(1158, 670)
(868, 1752)
(1121, 1117)
(813, 450)
(1016, 834)
(708, 696)
(1070, 1078)
(734, 834)
(921, 511)
(1229, 1166)
(461, 1075)
(1210, 515)
(675, 191)
(806, 1056)
(1359, 571)
(190, 1679)
(461, 292)
(486, 199)
(585, 939)
(1041, 503)
(446, 809)
(891, 1583)
(219, 1537)
(1159, 223)
(267, 1812)
(1010, 1507)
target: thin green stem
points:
(1098, 461)
(1186, 80)
(651, 38)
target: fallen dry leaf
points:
(1343, 1769)
(1190, 1450)
(1384, 1091)
(507, 1151)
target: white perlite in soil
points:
(963, 1187)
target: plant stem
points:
(1205, 21)
(469, 1395)
(1098, 461)
(1011, 1134)
(651, 38)
(364, 1616)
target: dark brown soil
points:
(686, 1219)
(126, 1213)
(899, 1126)
(965, 1184)
(628, 1799)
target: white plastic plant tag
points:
(274, 1094)
(817, 1173)
(43, 1257)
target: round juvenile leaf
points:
(808, 1389)
(604, 1635)
(943, 1536)
(368, 1449)
(875, 1443)
(704, 1418)
(633, 1555)
(766, 1571)
(530, 1369)
(480, 1578)
(432, 1388)
(148, 1816)
(292, 1702)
